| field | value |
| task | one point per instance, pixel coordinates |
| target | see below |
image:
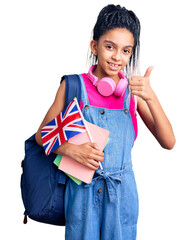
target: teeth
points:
(114, 65)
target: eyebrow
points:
(128, 46)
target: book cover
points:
(76, 169)
(57, 161)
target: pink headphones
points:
(106, 86)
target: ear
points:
(93, 46)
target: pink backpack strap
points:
(133, 107)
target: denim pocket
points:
(129, 200)
(75, 203)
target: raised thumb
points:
(148, 71)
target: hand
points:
(140, 85)
(87, 154)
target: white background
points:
(42, 40)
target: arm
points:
(151, 112)
(57, 107)
(87, 154)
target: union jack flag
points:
(66, 125)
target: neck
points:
(99, 74)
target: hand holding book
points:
(88, 154)
(75, 168)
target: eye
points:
(109, 47)
(126, 51)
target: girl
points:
(108, 207)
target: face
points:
(113, 50)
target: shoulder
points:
(59, 100)
(62, 88)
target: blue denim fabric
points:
(112, 212)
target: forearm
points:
(87, 154)
(162, 127)
(62, 150)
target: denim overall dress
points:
(106, 209)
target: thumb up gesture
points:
(140, 85)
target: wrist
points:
(64, 149)
(67, 148)
(152, 98)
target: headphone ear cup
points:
(106, 86)
(121, 87)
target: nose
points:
(116, 55)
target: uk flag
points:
(66, 125)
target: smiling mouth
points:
(113, 65)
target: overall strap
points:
(127, 98)
(83, 92)
(73, 88)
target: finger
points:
(136, 78)
(135, 83)
(137, 93)
(96, 150)
(148, 71)
(91, 166)
(137, 88)
(97, 157)
(93, 163)
(99, 153)
(94, 145)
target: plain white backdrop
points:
(43, 40)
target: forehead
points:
(120, 36)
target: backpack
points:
(42, 184)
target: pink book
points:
(76, 169)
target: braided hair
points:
(112, 17)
